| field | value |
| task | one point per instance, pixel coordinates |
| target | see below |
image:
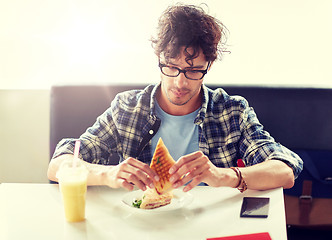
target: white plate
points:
(180, 200)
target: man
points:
(205, 131)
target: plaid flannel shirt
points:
(228, 130)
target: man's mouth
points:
(180, 93)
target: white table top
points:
(35, 211)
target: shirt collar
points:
(153, 98)
(202, 112)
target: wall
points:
(44, 42)
(24, 131)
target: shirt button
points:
(151, 132)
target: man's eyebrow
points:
(191, 67)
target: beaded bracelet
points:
(242, 185)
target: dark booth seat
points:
(75, 108)
(299, 118)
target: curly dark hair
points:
(190, 27)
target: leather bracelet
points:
(242, 185)
(238, 174)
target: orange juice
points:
(73, 186)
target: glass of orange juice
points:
(73, 187)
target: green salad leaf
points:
(137, 203)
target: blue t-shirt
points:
(179, 133)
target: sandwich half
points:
(161, 162)
(151, 199)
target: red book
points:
(253, 236)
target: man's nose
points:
(181, 80)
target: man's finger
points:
(184, 160)
(143, 167)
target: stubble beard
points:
(179, 102)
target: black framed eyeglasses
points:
(191, 74)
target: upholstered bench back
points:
(299, 118)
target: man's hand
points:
(129, 173)
(196, 167)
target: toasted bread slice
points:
(151, 199)
(161, 162)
